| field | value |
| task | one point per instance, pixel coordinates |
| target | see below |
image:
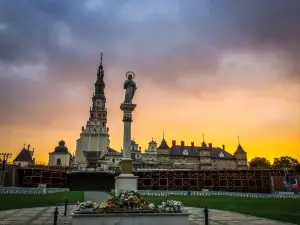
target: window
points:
(185, 152)
(58, 162)
(113, 160)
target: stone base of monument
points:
(125, 182)
(80, 218)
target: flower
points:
(172, 205)
(87, 204)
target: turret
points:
(163, 148)
(205, 155)
(241, 157)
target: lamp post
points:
(287, 183)
(5, 157)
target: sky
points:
(220, 68)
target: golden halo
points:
(130, 73)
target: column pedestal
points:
(126, 180)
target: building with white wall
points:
(60, 156)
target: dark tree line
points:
(278, 163)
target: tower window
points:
(58, 162)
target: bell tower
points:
(94, 138)
(98, 111)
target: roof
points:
(239, 149)
(61, 148)
(216, 152)
(112, 151)
(163, 144)
(24, 155)
(184, 150)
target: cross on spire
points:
(101, 58)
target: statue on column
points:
(130, 87)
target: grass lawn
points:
(287, 210)
(29, 201)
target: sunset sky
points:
(225, 68)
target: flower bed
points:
(171, 206)
(131, 201)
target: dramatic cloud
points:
(49, 52)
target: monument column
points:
(127, 109)
(126, 180)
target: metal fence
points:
(30, 191)
(217, 193)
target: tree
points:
(285, 162)
(260, 163)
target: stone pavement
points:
(40, 215)
(44, 215)
(219, 217)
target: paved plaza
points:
(44, 215)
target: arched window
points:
(58, 162)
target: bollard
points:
(206, 215)
(66, 207)
(55, 216)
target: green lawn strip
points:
(287, 210)
(29, 201)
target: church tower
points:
(94, 138)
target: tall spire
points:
(101, 58)
(239, 140)
(163, 134)
(100, 85)
(203, 137)
(100, 73)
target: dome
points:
(61, 147)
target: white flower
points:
(151, 206)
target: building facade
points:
(25, 157)
(183, 156)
